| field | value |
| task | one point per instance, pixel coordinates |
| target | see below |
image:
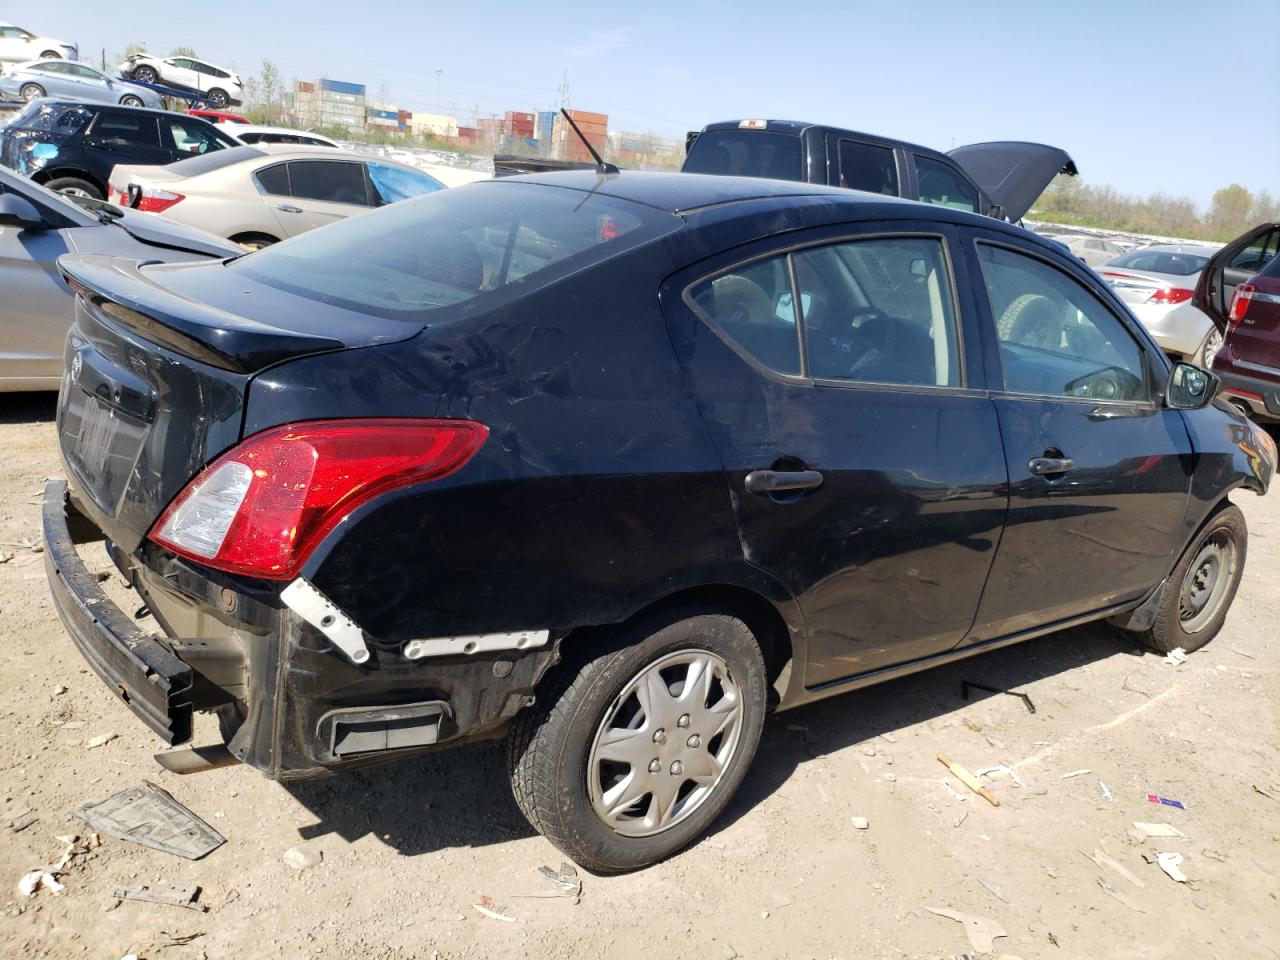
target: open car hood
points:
(1012, 173)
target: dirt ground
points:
(408, 849)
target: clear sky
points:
(1178, 96)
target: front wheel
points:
(31, 91)
(51, 55)
(1199, 592)
(146, 74)
(631, 753)
(129, 100)
(75, 187)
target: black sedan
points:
(618, 463)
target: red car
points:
(1240, 289)
(218, 116)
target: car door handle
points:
(778, 481)
(287, 208)
(1049, 466)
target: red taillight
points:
(1240, 302)
(1171, 295)
(156, 201)
(263, 506)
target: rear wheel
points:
(631, 753)
(129, 100)
(51, 55)
(253, 241)
(1209, 348)
(31, 91)
(218, 98)
(146, 74)
(1199, 592)
(75, 187)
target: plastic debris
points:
(302, 857)
(952, 790)
(981, 931)
(1169, 863)
(1076, 773)
(487, 907)
(1175, 657)
(993, 890)
(860, 823)
(100, 740)
(1106, 792)
(1154, 798)
(968, 779)
(1157, 829)
(1003, 769)
(38, 880)
(175, 895)
(150, 816)
(567, 881)
(1113, 892)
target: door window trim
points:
(1154, 391)
(803, 378)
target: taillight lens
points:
(156, 201)
(1171, 295)
(1240, 302)
(263, 506)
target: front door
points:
(1099, 470)
(865, 476)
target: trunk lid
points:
(157, 370)
(1135, 287)
(1012, 173)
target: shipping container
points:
(303, 86)
(341, 86)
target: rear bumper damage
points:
(289, 701)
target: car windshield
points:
(453, 246)
(746, 153)
(1161, 261)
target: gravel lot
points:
(409, 849)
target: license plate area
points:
(102, 445)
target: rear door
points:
(322, 192)
(127, 137)
(1233, 265)
(863, 165)
(181, 71)
(938, 181)
(1099, 471)
(865, 472)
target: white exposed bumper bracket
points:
(478, 643)
(322, 613)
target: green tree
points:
(182, 52)
(1229, 212)
(269, 88)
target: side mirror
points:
(16, 211)
(1190, 388)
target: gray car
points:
(36, 227)
(73, 81)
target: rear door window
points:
(274, 180)
(943, 185)
(751, 307)
(136, 128)
(746, 153)
(1257, 254)
(864, 166)
(333, 181)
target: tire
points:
(31, 91)
(552, 744)
(218, 98)
(146, 74)
(76, 187)
(1200, 576)
(1208, 348)
(129, 100)
(51, 55)
(253, 241)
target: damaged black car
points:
(614, 465)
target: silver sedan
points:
(1157, 282)
(66, 80)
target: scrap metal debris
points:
(148, 815)
(173, 894)
(980, 930)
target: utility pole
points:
(439, 101)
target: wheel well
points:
(761, 617)
(251, 235)
(44, 176)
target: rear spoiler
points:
(505, 165)
(117, 289)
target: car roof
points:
(96, 107)
(797, 127)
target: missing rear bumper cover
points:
(478, 643)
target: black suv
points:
(1001, 179)
(71, 147)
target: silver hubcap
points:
(1212, 344)
(664, 743)
(31, 93)
(1206, 582)
(76, 192)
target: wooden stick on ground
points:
(969, 780)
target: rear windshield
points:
(409, 259)
(208, 162)
(1157, 261)
(54, 117)
(746, 153)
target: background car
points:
(1092, 250)
(19, 46)
(65, 80)
(72, 147)
(253, 133)
(1157, 282)
(218, 116)
(258, 195)
(219, 86)
(36, 227)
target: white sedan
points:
(1157, 283)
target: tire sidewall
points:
(40, 91)
(722, 635)
(1169, 633)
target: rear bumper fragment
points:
(1263, 396)
(138, 668)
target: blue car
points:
(73, 81)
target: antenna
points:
(601, 166)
